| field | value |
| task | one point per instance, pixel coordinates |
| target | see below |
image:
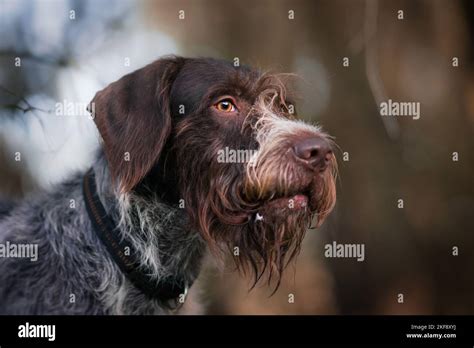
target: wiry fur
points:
(266, 175)
(225, 197)
(243, 207)
(73, 261)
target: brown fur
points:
(175, 155)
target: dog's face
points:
(225, 141)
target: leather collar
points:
(122, 252)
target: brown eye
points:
(225, 105)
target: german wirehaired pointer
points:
(129, 235)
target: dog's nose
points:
(315, 152)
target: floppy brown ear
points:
(133, 118)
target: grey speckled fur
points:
(74, 273)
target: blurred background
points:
(63, 51)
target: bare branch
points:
(29, 106)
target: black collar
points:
(122, 253)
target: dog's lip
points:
(291, 202)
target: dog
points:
(167, 188)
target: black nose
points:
(315, 152)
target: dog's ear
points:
(134, 120)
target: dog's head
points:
(224, 141)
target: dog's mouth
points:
(278, 210)
(285, 201)
(294, 201)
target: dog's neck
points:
(160, 234)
